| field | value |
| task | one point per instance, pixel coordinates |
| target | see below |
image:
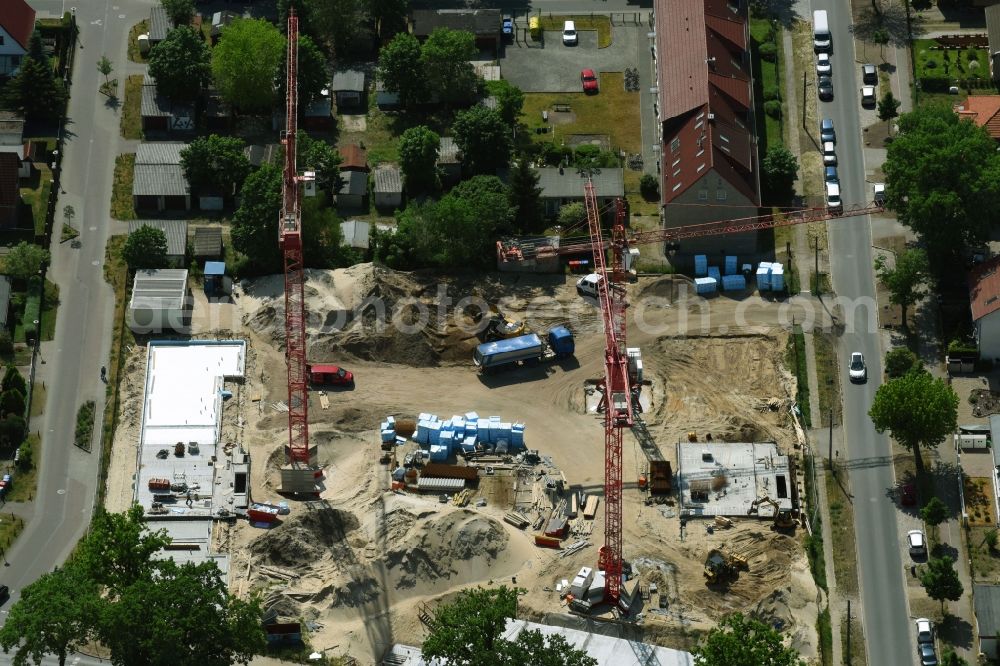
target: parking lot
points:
(548, 66)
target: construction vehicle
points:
(722, 566)
(783, 518)
(498, 327)
(510, 353)
(329, 375)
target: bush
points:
(85, 424)
(771, 93)
(6, 343)
(773, 108)
(930, 64)
(901, 360)
(24, 455)
(768, 51)
(555, 155)
(649, 187)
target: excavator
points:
(722, 566)
(498, 327)
(783, 518)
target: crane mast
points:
(290, 241)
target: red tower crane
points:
(290, 241)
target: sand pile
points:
(306, 537)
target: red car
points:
(908, 495)
(589, 81)
(329, 375)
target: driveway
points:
(549, 66)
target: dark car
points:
(826, 131)
(507, 27)
(825, 88)
(869, 75)
(830, 174)
(4, 594)
(908, 494)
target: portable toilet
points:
(535, 27)
(215, 271)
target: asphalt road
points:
(882, 585)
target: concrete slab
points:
(549, 66)
(727, 477)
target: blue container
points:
(778, 278)
(700, 265)
(424, 416)
(730, 265)
(471, 416)
(391, 420)
(517, 439)
(494, 419)
(764, 276)
(388, 436)
(734, 283)
(705, 285)
(433, 432)
(713, 272)
(439, 453)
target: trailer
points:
(524, 349)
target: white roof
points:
(164, 288)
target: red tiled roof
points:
(18, 19)
(9, 192)
(984, 288)
(984, 110)
(353, 156)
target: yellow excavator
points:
(498, 327)
(783, 518)
(722, 566)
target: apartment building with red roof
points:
(984, 298)
(984, 110)
(17, 22)
(709, 164)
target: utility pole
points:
(830, 457)
(848, 632)
(816, 269)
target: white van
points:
(822, 38)
(589, 285)
(833, 200)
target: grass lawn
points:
(121, 193)
(132, 108)
(50, 306)
(10, 527)
(38, 198)
(795, 360)
(827, 378)
(380, 140)
(985, 562)
(949, 63)
(133, 44)
(37, 399)
(845, 563)
(768, 75)
(25, 480)
(602, 24)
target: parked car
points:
(917, 543)
(823, 65)
(833, 200)
(925, 630)
(867, 95)
(826, 131)
(878, 193)
(830, 174)
(589, 81)
(829, 154)
(927, 655)
(4, 594)
(908, 494)
(869, 75)
(857, 371)
(507, 27)
(825, 88)
(569, 33)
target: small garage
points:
(349, 88)
(388, 187)
(159, 301)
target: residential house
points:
(17, 23)
(484, 24)
(12, 141)
(219, 21)
(984, 111)
(449, 161)
(4, 301)
(160, 115)
(353, 157)
(984, 297)
(349, 88)
(385, 100)
(993, 35)
(986, 602)
(176, 233)
(357, 233)
(708, 163)
(564, 186)
(388, 188)
(207, 243)
(10, 191)
(159, 182)
(159, 24)
(353, 189)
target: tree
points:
(255, 223)
(904, 281)
(105, 67)
(526, 197)
(12, 429)
(400, 69)
(6, 343)
(940, 580)
(13, 380)
(445, 57)
(181, 65)
(948, 207)
(117, 551)
(780, 168)
(901, 360)
(649, 187)
(25, 260)
(934, 512)
(183, 615)
(483, 138)
(888, 106)
(245, 63)
(917, 409)
(53, 616)
(418, 154)
(338, 23)
(180, 12)
(744, 641)
(323, 158)
(35, 91)
(12, 402)
(313, 73)
(510, 100)
(387, 15)
(532, 647)
(572, 215)
(991, 538)
(146, 247)
(215, 163)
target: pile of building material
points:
(708, 278)
(770, 276)
(467, 434)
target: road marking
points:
(97, 22)
(115, 7)
(93, 228)
(96, 263)
(61, 491)
(121, 16)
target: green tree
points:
(743, 641)
(948, 207)
(533, 647)
(401, 71)
(526, 197)
(338, 23)
(105, 67)
(55, 615)
(12, 402)
(780, 168)
(934, 512)
(25, 260)
(180, 12)
(117, 551)
(510, 100)
(322, 237)
(483, 138)
(991, 538)
(905, 280)
(418, 154)
(35, 90)
(146, 247)
(917, 409)
(181, 65)
(245, 62)
(12, 429)
(901, 360)
(255, 222)
(572, 215)
(181, 615)
(649, 187)
(321, 157)
(313, 72)
(445, 57)
(388, 15)
(13, 380)
(940, 580)
(888, 106)
(215, 163)
(6, 343)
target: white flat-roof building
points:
(159, 301)
(725, 478)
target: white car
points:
(878, 193)
(829, 154)
(915, 540)
(857, 371)
(925, 630)
(589, 285)
(867, 95)
(569, 33)
(823, 65)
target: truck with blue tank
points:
(523, 350)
